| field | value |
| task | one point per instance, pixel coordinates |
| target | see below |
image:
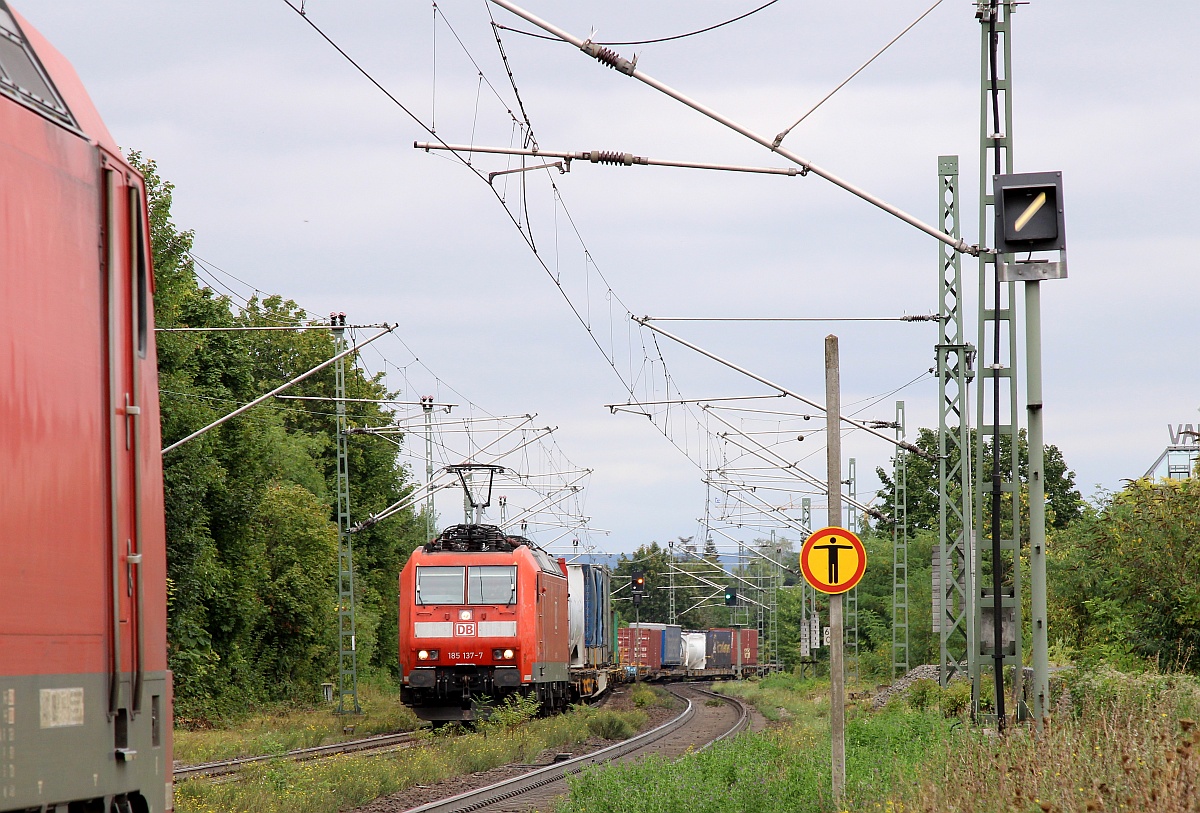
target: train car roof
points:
(35, 74)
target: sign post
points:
(833, 561)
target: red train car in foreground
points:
(482, 616)
(85, 695)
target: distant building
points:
(1178, 460)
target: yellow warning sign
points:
(833, 560)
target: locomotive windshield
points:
(492, 584)
(440, 585)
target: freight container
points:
(749, 647)
(640, 647)
(694, 646)
(672, 641)
(590, 615)
(718, 650)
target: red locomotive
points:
(484, 616)
(85, 695)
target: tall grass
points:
(284, 729)
(329, 785)
(787, 769)
(1120, 742)
(1115, 742)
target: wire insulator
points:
(609, 157)
(609, 57)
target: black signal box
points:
(1029, 212)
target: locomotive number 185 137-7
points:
(465, 656)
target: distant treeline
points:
(1123, 574)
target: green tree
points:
(251, 525)
(1064, 504)
(1124, 580)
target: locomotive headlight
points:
(464, 615)
(508, 654)
(423, 655)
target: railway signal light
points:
(637, 582)
(730, 596)
(1029, 212)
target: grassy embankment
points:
(1121, 743)
(338, 783)
(284, 729)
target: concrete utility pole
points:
(833, 458)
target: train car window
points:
(141, 281)
(492, 584)
(440, 585)
(547, 563)
(22, 77)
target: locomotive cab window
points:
(440, 585)
(22, 76)
(492, 584)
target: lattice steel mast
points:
(954, 559)
(900, 554)
(347, 654)
(997, 317)
(852, 597)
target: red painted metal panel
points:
(540, 613)
(640, 647)
(749, 645)
(64, 260)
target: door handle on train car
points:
(131, 559)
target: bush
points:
(609, 725)
(643, 696)
(955, 699)
(923, 693)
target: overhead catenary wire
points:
(534, 480)
(920, 317)
(908, 447)
(653, 377)
(629, 68)
(671, 38)
(779, 138)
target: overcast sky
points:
(299, 177)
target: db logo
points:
(464, 628)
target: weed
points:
(644, 696)
(610, 725)
(340, 783)
(282, 729)
(923, 693)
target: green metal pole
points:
(1037, 500)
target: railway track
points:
(379, 743)
(698, 727)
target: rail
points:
(377, 743)
(510, 788)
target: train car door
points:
(541, 619)
(125, 269)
